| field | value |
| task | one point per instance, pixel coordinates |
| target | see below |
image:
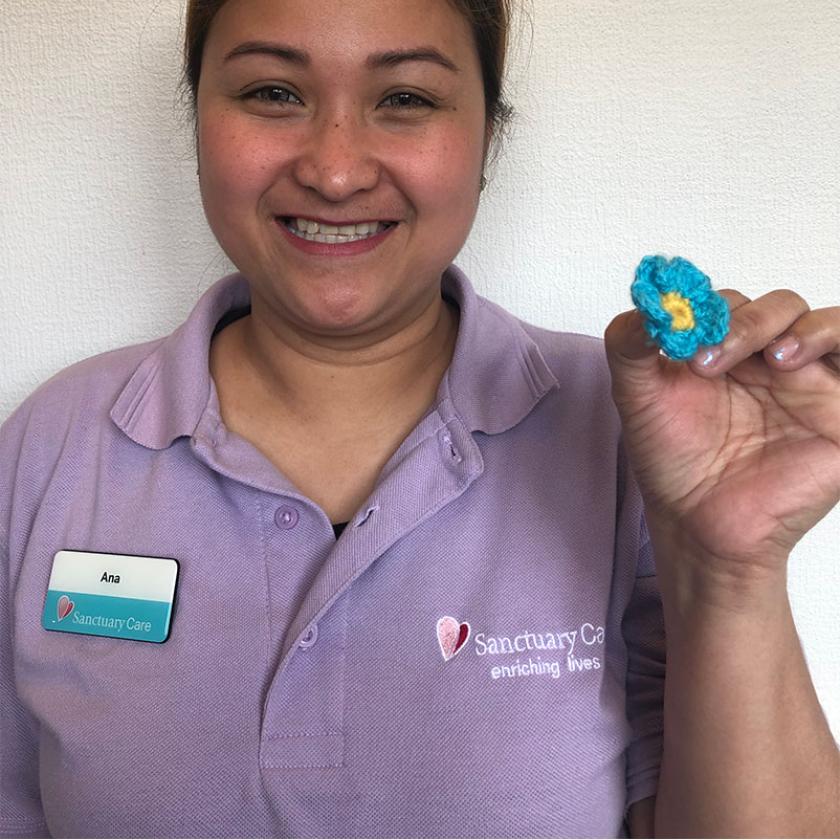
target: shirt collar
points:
(498, 373)
(168, 393)
(496, 377)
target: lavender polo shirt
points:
(481, 653)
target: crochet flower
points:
(680, 308)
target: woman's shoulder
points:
(572, 366)
(577, 361)
(84, 391)
(64, 419)
(560, 347)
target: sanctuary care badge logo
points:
(64, 607)
(548, 653)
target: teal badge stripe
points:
(104, 615)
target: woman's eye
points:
(273, 95)
(402, 101)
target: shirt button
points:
(309, 637)
(286, 517)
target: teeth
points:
(331, 234)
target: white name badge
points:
(116, 595)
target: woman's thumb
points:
(632, 356)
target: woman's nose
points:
(337, 160)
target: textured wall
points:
(709, 129)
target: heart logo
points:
(452, 636)
(65, 607)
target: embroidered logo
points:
(543, 653)
(452, 636)
(65, 607)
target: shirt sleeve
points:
(21, 814)
(643, 627)
(20, 802)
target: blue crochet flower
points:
(681, 310)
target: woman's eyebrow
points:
(281, 51)
(392, 58)
(377, 61)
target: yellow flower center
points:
(679, 308)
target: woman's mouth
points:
(327, 234)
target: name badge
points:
(114, 595)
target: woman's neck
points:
(329, 420)
(265, 369)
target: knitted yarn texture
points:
(681, 310)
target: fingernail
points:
(708, 357)
(784, 349)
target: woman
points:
(481, 652)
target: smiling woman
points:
(374, 492)
(279, 140)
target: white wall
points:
(710, 130)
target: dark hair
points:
(489, 20)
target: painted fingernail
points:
(784, 349)
(708, 357)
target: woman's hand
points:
(737, 458)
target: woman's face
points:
(362, 115)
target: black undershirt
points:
(338, 528)
(229, 317)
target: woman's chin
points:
(342, 301)
(338, 308)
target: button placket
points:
(303, 721)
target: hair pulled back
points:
(488, 19)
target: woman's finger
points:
(734, 298)
(753, 325)
(814, 335)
